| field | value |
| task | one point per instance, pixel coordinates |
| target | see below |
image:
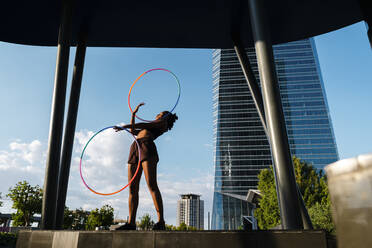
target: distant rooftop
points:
(190, 196)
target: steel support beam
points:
(255, 92)
(257, 98)
(288, 194)
(56, 119)
(68, 139)
(251, 80)
(307, 223)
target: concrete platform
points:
(174, 239)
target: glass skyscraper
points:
(241, 146)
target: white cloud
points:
(23, 157)
(105, 169)
(22, 161)
(104, 162)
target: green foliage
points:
(18, 219)
(312, 183)
(321, 216)
(267, 212)
(107, 215)
(27, 200)
(93, 220)
(191, 228)
(8, 239)
(80, 218)
(184, 227)
(100, 217)
(146, 223)
(313, 187)
(68, 218)
(1, 203)
(170, 227)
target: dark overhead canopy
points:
(172, 24)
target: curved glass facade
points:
(241, 146)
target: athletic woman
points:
(146, 134)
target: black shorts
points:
(148, 151)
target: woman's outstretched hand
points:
(117, 128)
(138, 106)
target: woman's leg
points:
(133, 192)
(150, 174)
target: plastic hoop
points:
(156, 69)
(82, 155)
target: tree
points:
(312, 182)
(184, 227)
(170, 227)
(94, 220)
(100, 217)
(321, 216)
(27, 200)
(18, 219)
(80, 218)
(267, 213)
(68, 218)
(146, 223)
(313, 187)
(181, 227)
(107, 215)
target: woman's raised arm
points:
(132, 121)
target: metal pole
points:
(308, 225)
(68, 139)
(209, 219)
(256, 95)
(288, 195)
(56, 119)
(251, 81)
(257, 98)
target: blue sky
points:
(186, 165)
